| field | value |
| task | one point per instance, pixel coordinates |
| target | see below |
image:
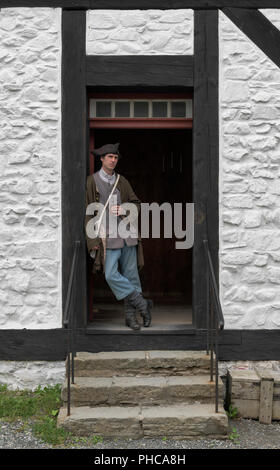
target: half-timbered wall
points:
(31, 174)
(249, 93)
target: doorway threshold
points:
(167, 319)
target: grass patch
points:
(47, 430)
(41, 406)
(24, 404)
(232, 412)
(234, 436)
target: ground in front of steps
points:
(243, 434)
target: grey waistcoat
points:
(104, 188)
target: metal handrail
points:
(215, 322)
(69, 322)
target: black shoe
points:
(130, 315)
(146, 315)
(132, 323)
(141, 304)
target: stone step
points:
(133, 363)
(130, 391)
(182, 421)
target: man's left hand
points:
(117, 210)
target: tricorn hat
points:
(108, 148)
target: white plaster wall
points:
(249, 181)
(30, 153)
(225, 366)
(143, 32)
(28, 375)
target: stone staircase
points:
(144, 394)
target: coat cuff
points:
(91, 242)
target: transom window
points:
(141, 108)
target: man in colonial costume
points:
(107, 248)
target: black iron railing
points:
(69, 321)
(215, 321)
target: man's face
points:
(109, 161)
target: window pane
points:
(141, 109)
(178, 109)
(103, 108)
(122, 108)
(91, 109)
(189, 109)
(159, 109)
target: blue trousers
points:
(125, 281)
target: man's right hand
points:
(93, 251)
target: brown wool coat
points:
(127, 195)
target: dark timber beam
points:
(51, 345)
(175, 71)
(259, 29)
(205, 154)
(74, 154)
(140, 4)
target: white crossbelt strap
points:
(107, 202)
